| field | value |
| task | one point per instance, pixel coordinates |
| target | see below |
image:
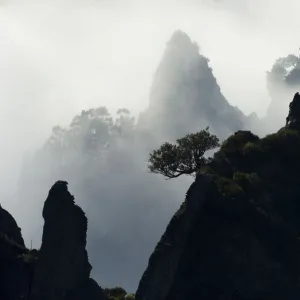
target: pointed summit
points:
(180, 35)
(185, 95)
(182, 41)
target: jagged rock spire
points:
(63, 270)
(185, 95)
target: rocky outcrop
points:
(63, 265)
(61, 269)
(163, 263)
(213, 250)
(90, 290)
(9, 227)
(16, 262)
(237, 235)
(15, 274)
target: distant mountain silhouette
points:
(185, 96)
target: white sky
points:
(58, 57)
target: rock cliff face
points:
(236, 236)
(163, 264)
(185, 96)
(60, 270)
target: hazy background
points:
(59, 57)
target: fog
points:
(59, 57)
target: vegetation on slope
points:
(118, 293)
(265, 171)
(242, 228)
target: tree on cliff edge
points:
(184, 157)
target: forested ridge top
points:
(236, 235)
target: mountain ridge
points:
(237, 234)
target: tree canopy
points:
(184, 157)
(92, 132)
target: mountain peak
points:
(185, 95)
(179, 37)
(181, 44)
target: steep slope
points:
(237, 234)
(185, 95)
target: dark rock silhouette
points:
(293, 118)
(63, 266)
(89, 290)
(236, 236)
(163, 263)
(16, 262)
(61, 269)
(15, 273)
(9, 227)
